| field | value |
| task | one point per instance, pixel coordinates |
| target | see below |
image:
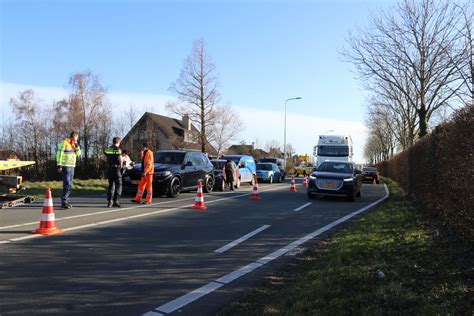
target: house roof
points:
(172, 127)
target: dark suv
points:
(279, 162)
(175, 171)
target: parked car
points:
(335, 178)
(279, 162)
(370, 174)
(246, 165)
(219, 181)
(268, 172)
(175, 171)
(305, 168)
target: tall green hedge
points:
(439, 172)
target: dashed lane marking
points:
(302, 207)
(241, 239)
(232, 276)
(132, 217)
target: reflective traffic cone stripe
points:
(292, 185)
(199, 200)
(305, 181)
(255, 194)
(47, 224)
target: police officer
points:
(114, 173)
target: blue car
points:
(268, 172)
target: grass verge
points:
(80, 187)
(392, 261)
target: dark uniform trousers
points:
(115, 184)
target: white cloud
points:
(261, 125)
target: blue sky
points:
(265, 52)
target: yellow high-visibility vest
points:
(67, 154)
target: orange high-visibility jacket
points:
(148, 161)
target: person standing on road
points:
(230, 173)
(66, 156)
(146, 182)
(114, 173)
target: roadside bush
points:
(439, 172)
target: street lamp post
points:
(284, 138)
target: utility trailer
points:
(11, 185)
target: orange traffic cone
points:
(305, 181)
(199, 200)
(47, 224)
(255, 194)
(293, 185)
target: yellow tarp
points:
(5, 164)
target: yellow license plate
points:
(329, 185)
(135, 182)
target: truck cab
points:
(333, 147)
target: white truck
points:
(333, 147)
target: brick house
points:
(162, 132)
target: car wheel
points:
(270, 180)
(208, 185)
(175, 188)
(278, 179)
(222, 186)
(237, 185)
(311, 196)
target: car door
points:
(190, 174)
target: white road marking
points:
(130, 217)
(302, 207)
(97, 213)
(212, 286)
(153, 314)
(238, 273)
(188, 298)
(241, 239)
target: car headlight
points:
(163, 174)
(348, 179)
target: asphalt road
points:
(162, 259)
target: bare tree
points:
(381, 125)
(415, 50)
(87, 109)
(227, 125)
(196, 90)
(272, 147)
(30, 126)
(466, 69)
